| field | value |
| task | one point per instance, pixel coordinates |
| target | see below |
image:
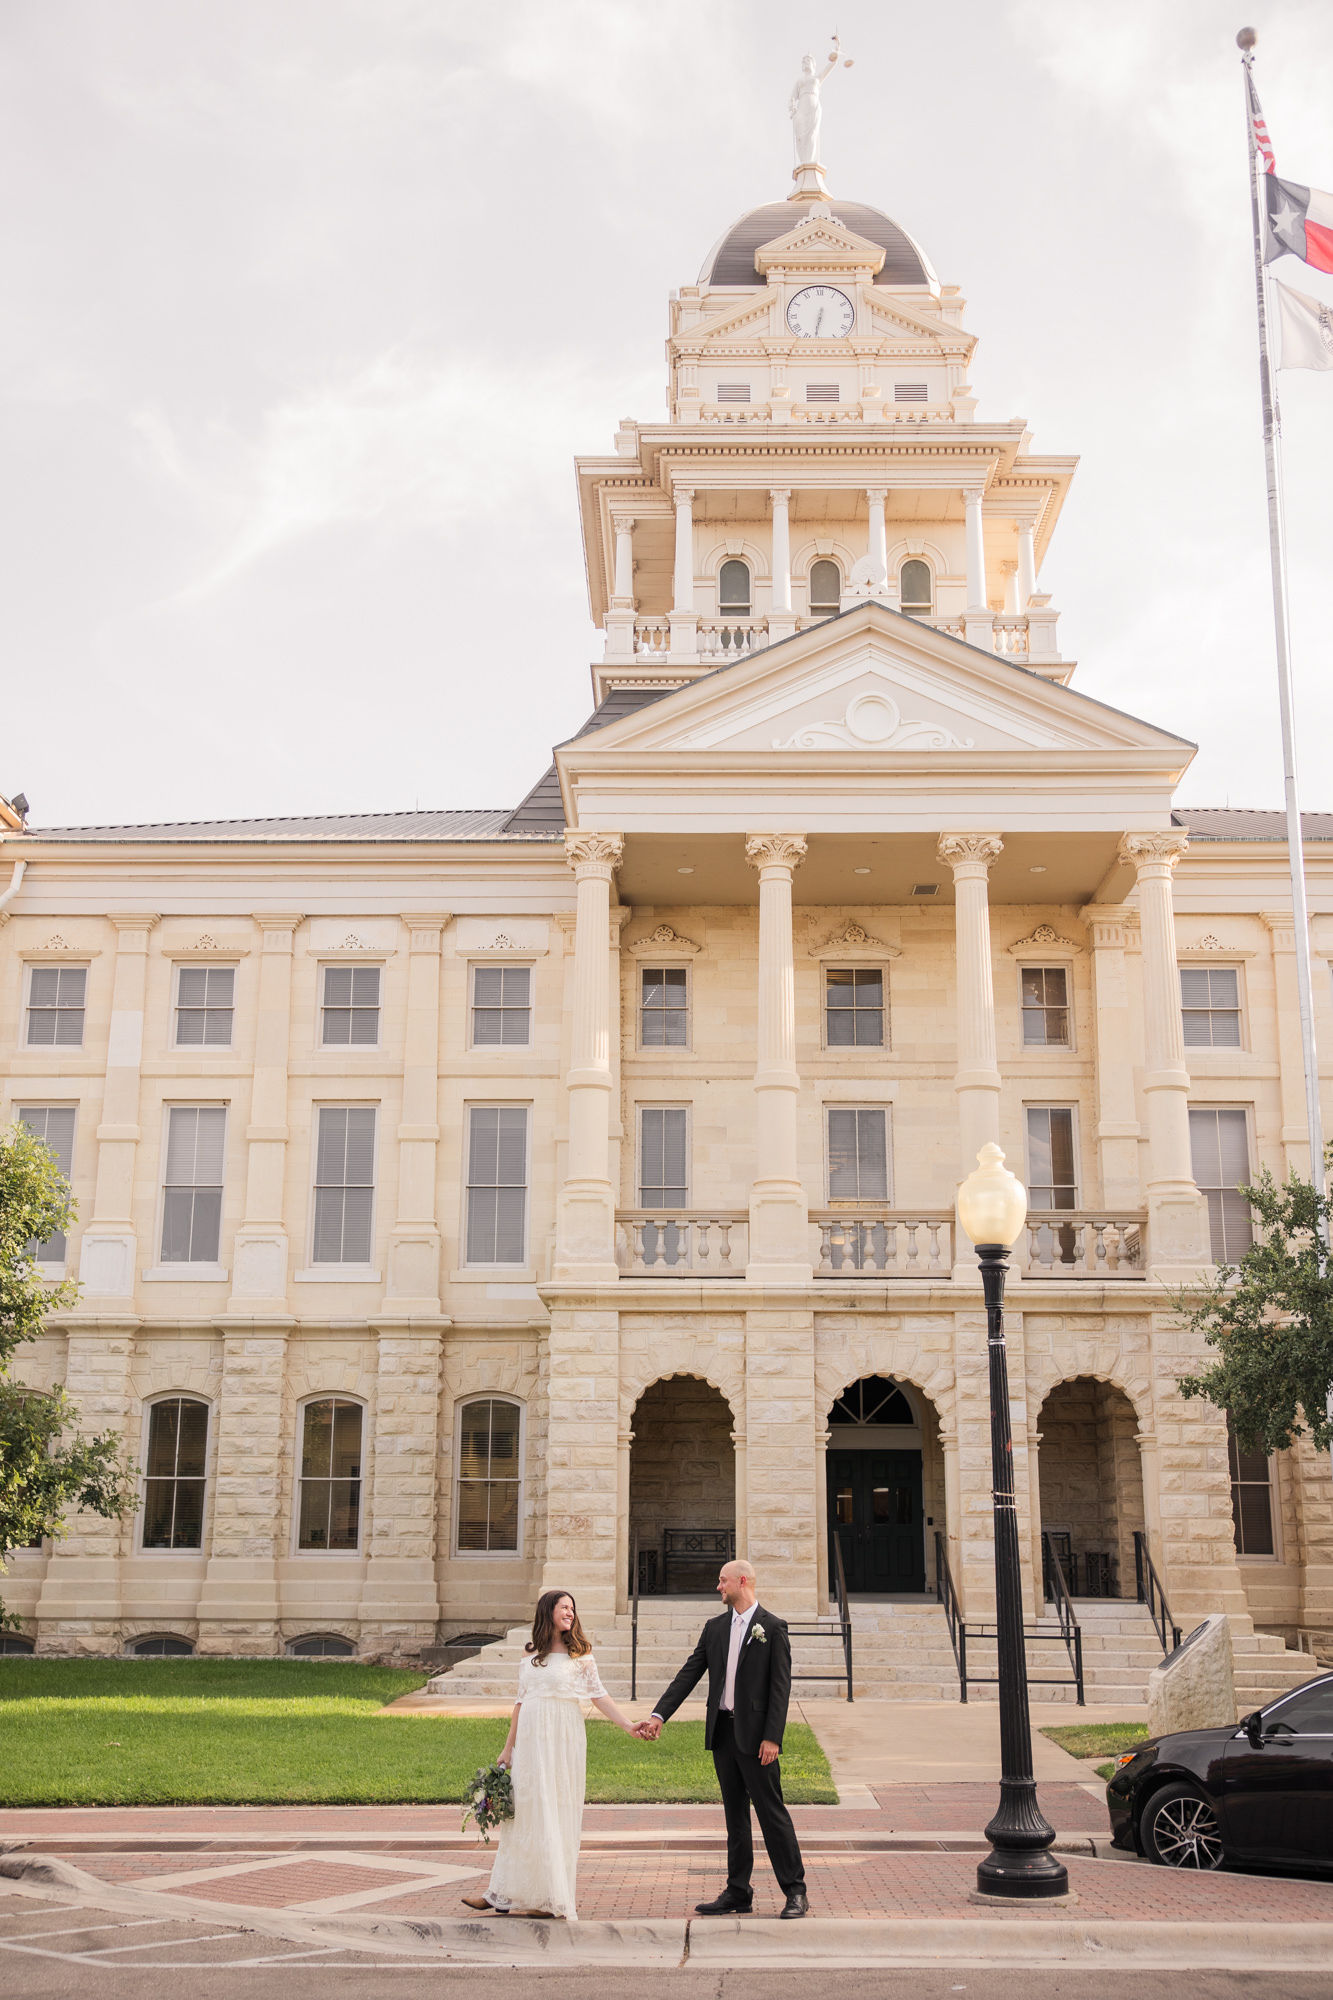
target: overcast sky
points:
(309, 304)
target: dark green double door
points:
(874, 1509)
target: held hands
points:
(649, 1730)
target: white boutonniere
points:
(759, 1633)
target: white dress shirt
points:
(740, 1625)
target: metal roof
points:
(451, 824)
(1240, 823)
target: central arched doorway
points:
(876, 1490)
(682, 1486)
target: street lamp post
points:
(992, 1207)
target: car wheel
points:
(1180, 1830)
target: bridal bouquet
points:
(490, 1799)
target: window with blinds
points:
(1220, 1158)
(916, 587)
(192, 1184)
(205, 1006)
(57, 995)
(825, 589)
(490, 1483)
(733, 589)
(344, 1185)
(664, 1009)
(54, 1126)
(501, 1006)
(351, 1014)
(173, 1511)
(1210, 1006)
(1052, 1168)
(330, 1499)
(664, 1156)
(858, 1152)
(497, 1184)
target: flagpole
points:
(1277, 552)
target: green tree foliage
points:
(45, 1466)
(1270, 1319)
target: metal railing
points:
(1150, 1592)
(953, 1615)
(887, 1243)
(682, 1242)
(1083, 1243)
(634, 1621)
(1070, 1630)
(960, 1633)
(838, 1591)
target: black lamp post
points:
(992, 1207)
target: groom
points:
(747, 1656)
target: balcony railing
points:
(682, 1242)
(1084, 1243)
(884, 1243)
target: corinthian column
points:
(585, 1250)
(779, 1216)
(1178, 1243)
(977, 1077)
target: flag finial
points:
(1246, 39)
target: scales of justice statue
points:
(805, 111)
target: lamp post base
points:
(1022, 1874)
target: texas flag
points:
(1300, 222)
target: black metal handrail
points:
(838, 1591)
(960, 1632)
(634, 1623)
(1070, 1630)
(844, 1611)
(953, 1616)
(1151, 1593)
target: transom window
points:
(351, 1006)
(872, 1400)
(192, 1184)
(330, 1511)
(173, 1513)
(322, 1646)
(858, 1153)
(916, 587)
(54, 1126)
(162, 1647)
(1052, 1173)
(733, 589)
(854, 1006)
(57, 995)
(501, 1006)
(1251, 1498)
(344, 1185)
(489, 1477)
(1220, 1158)
(1210, 1006)
(1045, 990)
(825, 589)
(664, 1007)
(205, 1006)
(497, 1184)
(664, 1156)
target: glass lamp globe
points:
(992, 1203)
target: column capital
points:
(1105, 927)
(877, 495)
(775, 850)
(594, 853)
(970, 852)
(779, 494)
(133, 920)
(1281, 926)
(974, 495)
(683, 496)
(425, 929)
(1023, 526)
(623, 523)
(1156, 851)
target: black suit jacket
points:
(763, 1680)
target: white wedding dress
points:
(537, 1865)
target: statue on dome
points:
(804, 108)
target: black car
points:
(1259, 1791)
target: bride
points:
(536, 1868)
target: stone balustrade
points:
(722, 639)
(682, 1242)
(1083, 1243)
(884, 1243)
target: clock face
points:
(821, 313)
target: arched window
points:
(330, 1509)
(825, 589)
(173, 1509)
(733, 589)
(490, 1477)
(14, 1644)
(916, 588)
(322, 1646)
(162, 1646)
(872, 1400)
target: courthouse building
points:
(469, 1198)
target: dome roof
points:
(731, 260)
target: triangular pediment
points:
(820, 242)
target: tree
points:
(45, 1465)
(1271, 1320)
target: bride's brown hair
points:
(577, 1642)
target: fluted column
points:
(779, 1216)
(259, 1273)
(414, 1245)
(1027, 562)
(977, 1076)
(585, 1248)
(684, 624)
(108, 1257)
(1118, 1128)
(1178, 1242)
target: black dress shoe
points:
(796, 1905)
(725, 1905)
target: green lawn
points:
(1098, 1739)
(301, 1732)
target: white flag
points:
(1307, 329)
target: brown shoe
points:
(487, 1908)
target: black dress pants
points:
(745, 1782)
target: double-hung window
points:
(501, 1006)
(1220, 1157)
(664, 1007)
(1210, 1006)
(489, 1477)
(192, 1184)
(173, 1512)
(664, 1156)
(1045, 996)
(854, 1009)
(344, 1185)
(205, 1006)
(497, 1184)
(1052, 1167)
(330, 1505)
(57, 997)
(351, 1013)
(1251, 1498)
(858, 1152)
(54, 1126)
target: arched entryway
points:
(1090, 1484)
(885, 1480)
(682, 1486)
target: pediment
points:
(821, 241)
